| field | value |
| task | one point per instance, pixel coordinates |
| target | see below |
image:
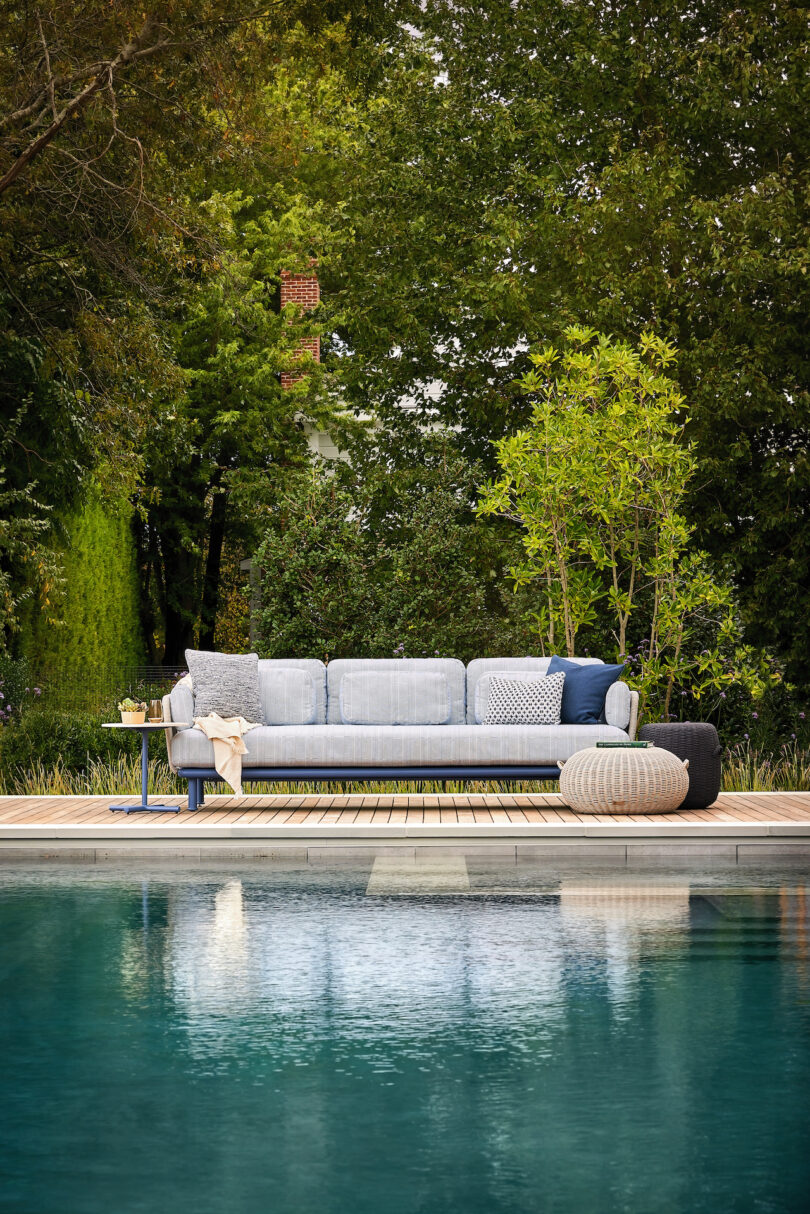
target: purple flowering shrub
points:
(17, 690)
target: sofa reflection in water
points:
(410, 966)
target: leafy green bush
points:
(16, 687)
(597, 479)
(52, 738)
(387, 560)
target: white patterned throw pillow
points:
(524, 701)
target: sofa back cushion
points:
(394, 697)
(452, 670)
(531, 666)
(288, 696)
(293, 691)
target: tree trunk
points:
(213, 565)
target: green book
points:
(612, 745)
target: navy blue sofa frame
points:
(198, 776)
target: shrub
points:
(51, 737)
(383, 560)
(16, 687)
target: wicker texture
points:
(698, 742)
(623, 780)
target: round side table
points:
(145, 729)
(623, 780)
(698, 742)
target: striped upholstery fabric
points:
(451, 668)
(182, 702)
(617, 705)
(394, 697)
(398, 745)
(288, 696)
(532, 666)
(310, 697)
(317, 673)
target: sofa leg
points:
(192, 794)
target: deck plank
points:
(468, 811)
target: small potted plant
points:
(133, 712)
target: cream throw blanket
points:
(225, 735)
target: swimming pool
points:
(442, 1036)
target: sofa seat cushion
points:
(394, 697)
(399, 745)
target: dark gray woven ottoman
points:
(698, 742)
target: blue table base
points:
(145, 807)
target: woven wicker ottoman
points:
(623, 780)
(698, 742)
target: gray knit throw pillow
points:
(225, 683)
(533, 702)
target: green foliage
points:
(748, 769)
(626, 166)
(597, 480)
(27, 567)
(223, 447)
(17, 688)
(98, 602)
(386, 560)
(56, 738)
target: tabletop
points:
(145, 725)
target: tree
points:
(221, 448)
(597, 481)
(122, 133)
(625, 166)
(23, 523)
(384, 558)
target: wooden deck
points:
(739, 826)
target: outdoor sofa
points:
(391, 719)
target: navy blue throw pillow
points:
(584, 690)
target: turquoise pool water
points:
(279, 1039)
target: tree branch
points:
(102, 79)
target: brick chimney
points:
(304, 290)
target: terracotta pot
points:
(133, 718)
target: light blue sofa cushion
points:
(451, 668)
(398, 745)
(182, 702)
(394, 697)
(311, 666)
(531, 665)
(288, 696)
(617, 705)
